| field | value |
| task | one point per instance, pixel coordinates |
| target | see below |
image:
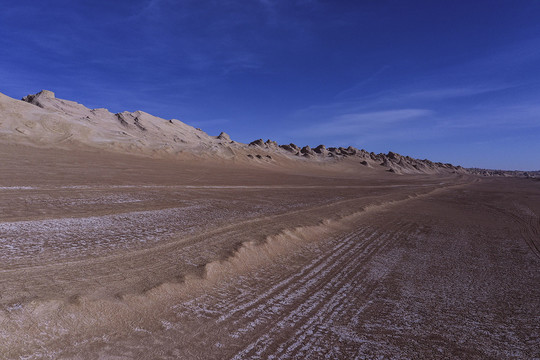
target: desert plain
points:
(110, 252)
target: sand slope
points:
(45, 121)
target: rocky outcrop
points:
(271, 144)
(306, 151)
(292, 148)
(503, 173)
(259, 143)
(138, 123)
(127, 119)
(121, 118)
(37, 98)
(352, 150)
(268, 144)
(334, 151)
(392, 161)
(224, 136)
(321, 150)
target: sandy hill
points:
(42, 120)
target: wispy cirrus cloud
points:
(418, 113)
(357, 123)
(444, 93)
(502, 117)
(429, 91)
(422, 96)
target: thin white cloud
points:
(522, 116)
(419, 96)
(444, 93)
(357, 123)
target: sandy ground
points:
(116, 257)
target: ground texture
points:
(122, 257)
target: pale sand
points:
(116, 256)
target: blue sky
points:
(452, 81)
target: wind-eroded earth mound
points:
(43, 120)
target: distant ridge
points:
(43, 120)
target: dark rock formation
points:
(224, 136)
(259, 143)
(306, 150)
(271, 144)
(321, 150)
(138, 123)
(290, 148)
(352, 150)
(35, 98)
(122, 119)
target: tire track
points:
(306, 273)
(315, 297)
(289, 297)
(229, 309)
(333, 306)
(528, 225)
